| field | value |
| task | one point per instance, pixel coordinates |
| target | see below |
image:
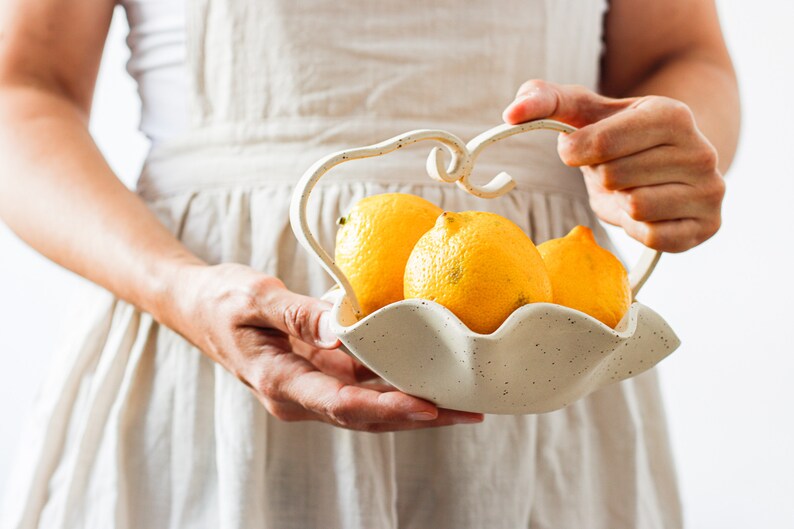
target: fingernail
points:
(527, 95)
(327, 336)
(469, 420)
(507, 115)
(421, 416)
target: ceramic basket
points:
(543, 357)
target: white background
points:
(729, 388)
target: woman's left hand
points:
(646, 165)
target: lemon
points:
(480, 266)
(374, 241)
(587, 277)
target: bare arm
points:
(56, 190)
(675, 48)
(59, 195)
(652, 153)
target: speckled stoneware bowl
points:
(543, 357)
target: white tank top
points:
(158, 64)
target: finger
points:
(663, 202)
(602, 201)
(445, 418)
(573, 104)
(658, 165)
(674, 235)
(334, 362)
(648, 123)
(671, 236)
(302, 317)
(606, 207)
(378, 385)
(347, 404)
(288, 377)
(290, 412)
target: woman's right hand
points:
(280, 345)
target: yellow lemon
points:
(587, 277)
(480, 266)
(374, 241)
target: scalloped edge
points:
(485, 399)
(628, 323)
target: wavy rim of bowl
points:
(336, 295)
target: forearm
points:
(709, 88)
(58, 194)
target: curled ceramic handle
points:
(458, 171)
(300, 198)
(642, 269)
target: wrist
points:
(168, 291)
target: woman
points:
(208, 390)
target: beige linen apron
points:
(137, 429)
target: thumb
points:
(572, 104)
(302, 317)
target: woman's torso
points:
(285, 83)
(240, 97)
